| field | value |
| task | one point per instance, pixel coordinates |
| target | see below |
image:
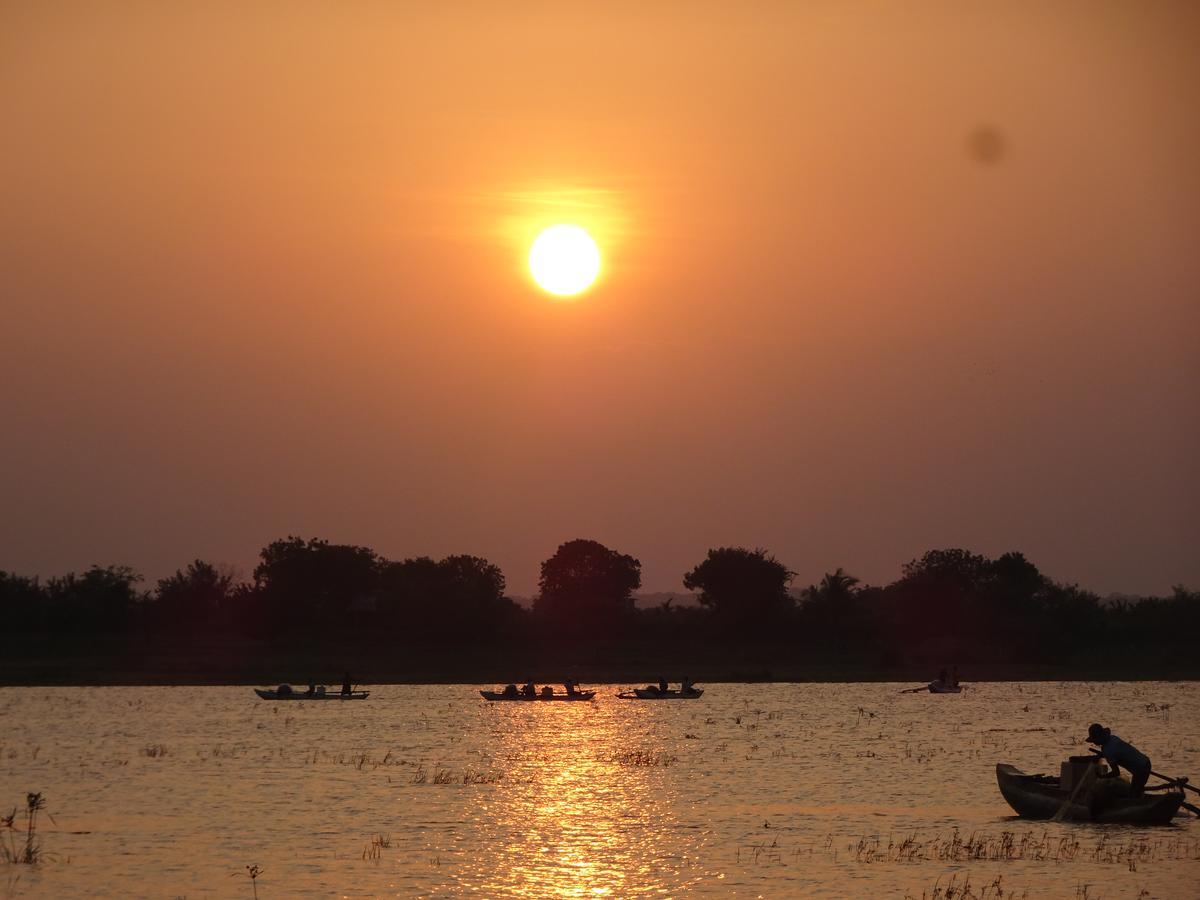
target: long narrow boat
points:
(273, 694)
(646, 694)
(496, 696)
(1040, 797)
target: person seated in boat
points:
(312, 688)
(510, 690)
(284, 690)
(686, 686)
(346, 688)
(942, 679)
(320, 690)
(547, 691)
(529, 690)
(663, 687)
(1119, 754)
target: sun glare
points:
(564, 260)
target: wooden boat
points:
(1041, 797)
(647, 694)
(273, 694)
(940, 687)
(499, 695)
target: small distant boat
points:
(940, 687)
(276, 694)
(546, 698)
(1041, 797)
(647, 694)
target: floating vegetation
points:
(762, 853)
(1161, 709)
(448, 776)
(358, 759)
(645, 758)
(1010, 846)
(154, 751)
(952, 890)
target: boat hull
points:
(497, 697)
(643, 694)
(935, 688)
(1040, 797)
(301, 695)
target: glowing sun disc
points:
(564, 260)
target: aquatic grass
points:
(374, 849)
(252, 872)
(952, 890)
(644, 758)
(442, 775)
(30, 852)
(1009, 846)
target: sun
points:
(564, 260)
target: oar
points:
(1085, 782)
(915, 690)
(1181, 782)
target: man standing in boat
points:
(1119, 754)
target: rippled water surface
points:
(823, 790)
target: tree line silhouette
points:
(948, 601)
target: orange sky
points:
(261, 272)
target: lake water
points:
(772, 790)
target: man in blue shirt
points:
(1120, 755)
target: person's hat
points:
(1097, 733)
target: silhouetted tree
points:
(198, 597)
(586, 586)
(745, 588)
(102, 599)
(459, 594)
(832, 605)
(300, 582)
(938, 595)
(474, 587)
(22, 603)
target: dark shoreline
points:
(242, 661)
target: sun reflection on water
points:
(573, 820)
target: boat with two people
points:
(1081, 793)
(530, 693)
(662, 691)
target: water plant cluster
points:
(22, 846)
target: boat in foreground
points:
(542, 698)
(648, 694)
(1107, 801)
(276, 694)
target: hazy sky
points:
(878, 278)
